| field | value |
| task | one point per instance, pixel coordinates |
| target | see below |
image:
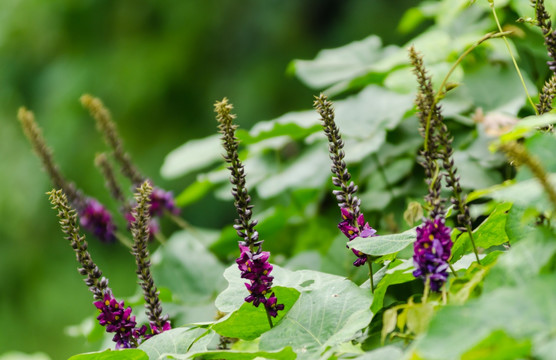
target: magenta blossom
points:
(95, 218)
(352, 230)
(431, 252)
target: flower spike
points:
(93, 215)
(140, 229)
(252, 262)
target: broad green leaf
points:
(249, 322)
(525, 312)
(526, 194)
(525, 260)
(384, 353)
(177, 341)
(125, 354)
(321, 318)
(284, 354)
(384, 244)
(499, 346)
(528, 125)
(294, 125)
(490, 233)
(190, 272)
(309, 170)
(541, 146)
(347, 62)
(472, 174)
(192, 156)
(518, 225)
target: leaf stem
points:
(426, 291)
(513, 58)
(371, 274)
(124, 240)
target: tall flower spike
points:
(34, 134)
(438, 145)
(428, 120)
(353, 222)
(252, 262)
(68, 221)
(545, 24)
(93, 216)
(108, 128)
(161, 200)
(141, 234)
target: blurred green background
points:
(159, 67)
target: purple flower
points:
(162, 200)
(352, 229)
(95, 218)
(431, 252)
(118, 319)
(272, 307)
(155, 330)
(256, 268)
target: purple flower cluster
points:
(255, 267)
(162, 200)
(432, 249)
(118, 319)
(352, 229)
(95, 218)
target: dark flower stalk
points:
(545, 24)
(161, 200)
(252, 262)
(438, 146)
(93, 216)
(141, 233)
(113, 314)
(353, 222)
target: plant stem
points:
(453, 270)
(269, 318)
(513, 58)
(371, 274)
(426, 291)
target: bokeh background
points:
(159, 66)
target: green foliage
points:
(500, 308)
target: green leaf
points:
(525, 260)
(284, 354)
(490, 233)
(332, 66)
(527, 126)
(383, 245)
(185, 257)
(499, 346)
(523, 313)
(192, 156)
(177, 341)
(321, 318)
(383, 353)
(194, 192)
(295, 125)
(125, 354)
(399, 272)
(249, 322)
